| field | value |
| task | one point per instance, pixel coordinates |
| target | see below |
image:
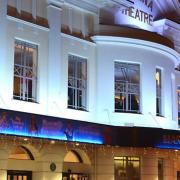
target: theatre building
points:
(90, 90)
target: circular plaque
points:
(52, 166)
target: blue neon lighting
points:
(24, 124)
(81, 138)
(168, 146)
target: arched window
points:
(76, 165)
(73, 156)
(21, 152)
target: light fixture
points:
(52, 142)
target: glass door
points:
(19, 175)
(74, 176)
(178, 175)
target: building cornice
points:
(82, 4)
(169, 29)
(139, 43)
(91, 6)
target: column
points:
(18, 6)
(54, 59)
(3, 163)
(3, 51)
(34, 8)
(70, 18)
(83, 27)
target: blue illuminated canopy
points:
(40, 126)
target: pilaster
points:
(3, 47)
(54, 59)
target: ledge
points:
(128, 32)
(26, 16)
(145, 44)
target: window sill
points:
(161, 116)
(126, 112)
(20, 100)
(81, 110)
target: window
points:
(77, 82)
(73, 156)
(22, 153)
(178, 175)
(75, 159)
(178, 93)
(127, 87)
(19, 175)
(160, 169)
(127, 167)
(158, 92)
(25, 71)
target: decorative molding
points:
(83, 5)
(171, 30)
(54, 7)
(57, 3)
(34, 8)
(27, 23)
(139, 43)
(18, 6)
(126, 3)
(166, 5)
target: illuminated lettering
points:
(139, 14)
(149, 4)
(146, 18)
(131, 12)
(171, 139)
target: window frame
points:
(159, 92)
(77, 85)
(127, 161)
(26, 65)
(161, 171)
(178, 104)
(128, 86)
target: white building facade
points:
(112, 65)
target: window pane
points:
(178, 93)
(20, 178)
(127, 168)
(158, 93)
(127, 87)
(160, 169)
(25, 71)
(15, 177)
(77, 82)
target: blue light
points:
(89, 140)
(62, 138)
(168, 146)
(39, 126)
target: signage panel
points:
(140, 15)
(40, 126)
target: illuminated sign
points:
(40, 126)
(26, 124)
(170, 141)
(140, 14)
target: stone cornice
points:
(169, 26)
(84, 5)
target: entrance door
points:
(75, 176)
(19, 175)
(178, 175)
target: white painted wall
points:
(110, 49)
(52, 92)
